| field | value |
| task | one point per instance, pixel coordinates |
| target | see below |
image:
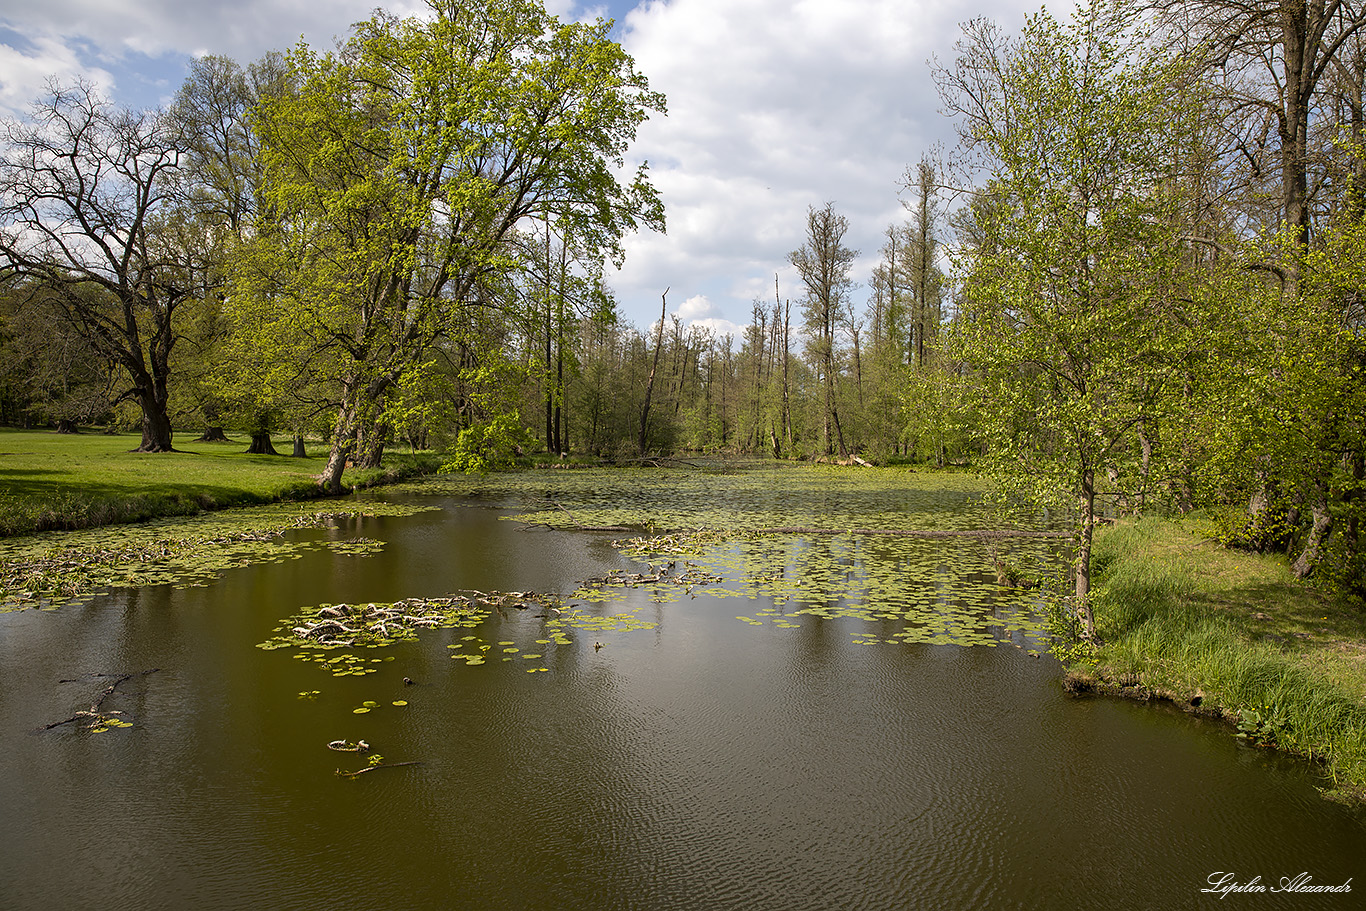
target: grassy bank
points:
(54, 481)
(1235, 634)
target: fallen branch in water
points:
(93, 715)
(371, 768)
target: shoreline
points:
(1232, 637)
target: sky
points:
(774, 106)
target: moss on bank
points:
(1231, 634)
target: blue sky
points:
(774, 106)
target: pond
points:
(785, 720)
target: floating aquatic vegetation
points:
(53, 568)
(884, 546)
(908, 557)
(740, 499)
(329, 633)
(942, 591)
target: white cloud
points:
(26, 67)
(694, 308)
(774, 106)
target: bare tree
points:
(926, 280)
(88, 210)
(823, 263)
(1272, 57)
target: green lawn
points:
(63, 481)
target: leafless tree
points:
(89, 210)
(824, 263)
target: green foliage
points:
(396, 174)
(1069, 325)
(489, 445)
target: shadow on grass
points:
(17, 472)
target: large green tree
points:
(397, 173)
(1067, 296)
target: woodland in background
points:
(1134, 285)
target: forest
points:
(1135, 284)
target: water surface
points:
(694, 760)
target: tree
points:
(397, 173)
(49, 372)
(91, 210)
(1273, 56)
(921, 248)
(1068, 307)
(824, 263)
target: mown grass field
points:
(1183, 617)
(63, 481)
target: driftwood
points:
(652, 461)
(93, 714)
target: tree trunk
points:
(299, 451)
(1085, 615)
(66, 425)
(372, 450)
(1145, 466)
(213, 434)
(261, 444)
(156, 423)
(1323, 525)
(650, 382)
(1265, 522)
(343, 443)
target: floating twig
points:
(370, 768)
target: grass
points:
(52, 481)
(1182, 617)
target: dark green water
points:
(701, 763)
